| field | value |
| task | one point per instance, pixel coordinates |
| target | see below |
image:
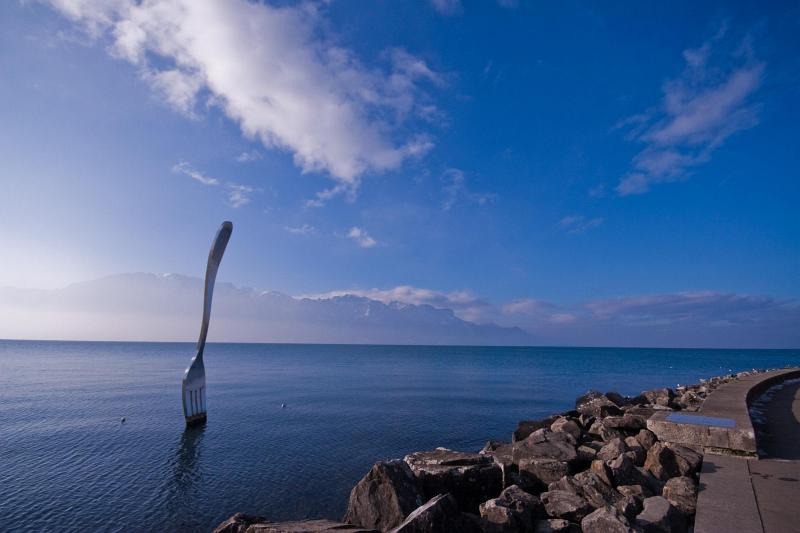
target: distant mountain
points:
(168, 307)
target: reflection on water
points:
(185, 472)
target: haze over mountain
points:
(149, 307)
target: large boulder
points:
(567, 426)
(513, 511)
(661, 462)
(565, 504)
(471, 478)
(500, 452)
(688, 460)
(661, 397)
(627, 422)
(606, 520)
(556, 525)
(241, 523)
(596, 404)
(613, 449)
(526, 427)
(596, 491)
(439, 515)
(659, 516)
(640, 454)
(681, 492)
(603, 471)
(384, 497)
(646, 438)
(543, 457)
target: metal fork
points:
(193, 387)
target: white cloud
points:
(239, 195)
(361, 237)
(277, 72)
(455, 187)
(247, 157)
(184, 168)
(463, 303)
(305, 229)
(710, 101)
(448, 7)
(576, 224)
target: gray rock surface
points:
(439, 515)
(241, 523)
(681, 492)
(659, 516)
(606, 520)
(471, 478)
(661, 462)
(513, 511)
(384, 496)
(543, 457)
(556, 525)
(566, 505)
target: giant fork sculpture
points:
(193, 388)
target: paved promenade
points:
(762, 495)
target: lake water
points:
(68, 463)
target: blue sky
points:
(539, 161)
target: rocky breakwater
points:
(594, 469)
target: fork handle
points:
(214, 259)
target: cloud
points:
(239, 195)
(708, 102)
(448, 7)
(278, 72)
(247, 157)
(184, 168)
(463, 303)
(305, 229)
(361, 237)
(455, 187)
(576, 224)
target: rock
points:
(661, 462)
(241, 523)
(501, 453)
(690, 401)
(586, 454)
(618, 399)
(238, 523)
(596, 404)
(613, 449)
(384, 497)
(629, 506)
(606, 433)
(662, 397)
(596, 491)
(556, 525)
(543, 457)
(646, 438)
(526, 427)
(601, 469)
(471, 478)
(586, 421)
(606, 520)
(659, 516)
(513, 511)
(649, 481)
(688, 460)
(566, 505)
(567, 426)
(681, 492)
(623, 471)
(439, 515)
(640, 454)
(637, 491)
(628, 422)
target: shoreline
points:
(594, 468)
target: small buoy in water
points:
(283, 406)
(122, 421)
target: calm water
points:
(66, 461)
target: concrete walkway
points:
(740, 494)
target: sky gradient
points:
(541, 166)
